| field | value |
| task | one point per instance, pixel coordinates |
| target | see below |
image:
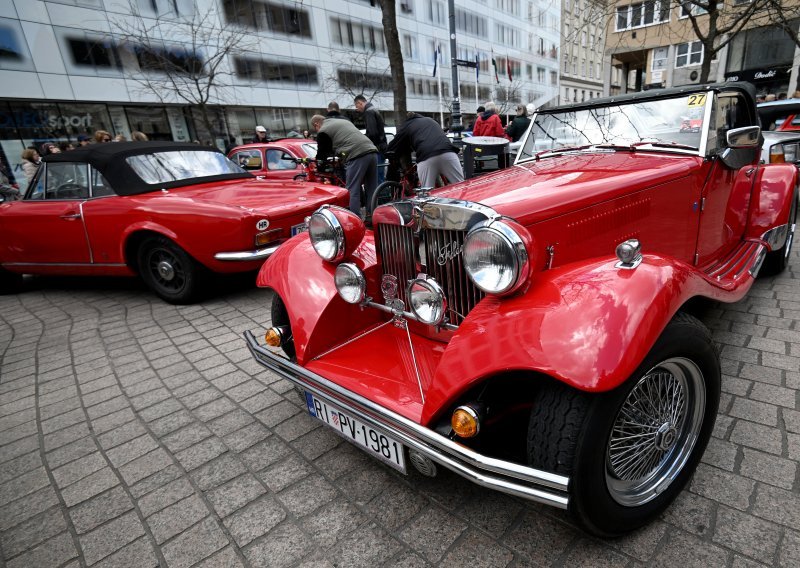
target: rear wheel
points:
(10, 282)
(777, 260)
(169, 271)
(386, 192)
(630, 451)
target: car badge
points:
(448, 252)
(262, 224)
(389, 285)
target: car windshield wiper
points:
(662, 144)
(561, 150)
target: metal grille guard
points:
(505, 476)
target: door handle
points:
(71, 216)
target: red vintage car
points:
(277, 159)
(531, 330)
(169, 212)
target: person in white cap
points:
(262, 135)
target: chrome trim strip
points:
(86, 231)
(776, 237)
(244, 256)
(508, 477)
(101, 264)
(762, 254)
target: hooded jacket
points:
(424, 136)
(375, 128)
(488, 124)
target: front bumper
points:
(244, 256)
(508, 477)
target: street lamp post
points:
(455, 117)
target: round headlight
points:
(350, 283)
(327, 235)
(427, 301)
(495, 257)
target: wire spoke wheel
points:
(166, 269)
(655, 431)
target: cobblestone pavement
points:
(135, 433)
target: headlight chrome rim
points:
(350, 270)
(515, 246)
(432, 287)
(325, 215)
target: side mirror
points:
(746, 137)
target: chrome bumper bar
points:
(246, 255)
(505, 476)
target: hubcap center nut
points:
(165, 270)
(666, 436)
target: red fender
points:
(589, 326)
(772, 200)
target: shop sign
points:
(774, 74)
(41, 119)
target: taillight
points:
(776, 155)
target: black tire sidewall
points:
(590, 501)
(777, 261)
(190, 268)
(391, 187)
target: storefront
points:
(768, 81)
(762, 56)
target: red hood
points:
(537, 190)
(275, 198)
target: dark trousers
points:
(361, 171)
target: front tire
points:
(629, 452)
(777, 260)
(169, 271)
(10, 282)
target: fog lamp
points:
(350, 283)
(465, 422)
(274, 337)
(426, 300)
(629, 253)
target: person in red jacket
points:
(488, 123)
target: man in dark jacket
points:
(436, 155)
(336, 137)
(375, 129)
(333, 111)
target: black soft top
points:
(109, 160)
(746, 89)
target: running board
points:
(745, 260)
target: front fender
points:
(321, 319)
(772, 200)
(589, 326)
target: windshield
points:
(163, 167)
(675, 122)
(310, 150)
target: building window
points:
(660, 55)
(642, 14)
(437, 13)
(94, 53)
(357, 35)
(507, 35)
(509, 6)
(361, 82)
(410, 47)
(471, 23)
(688, 54)
(167, 59)
(260, 15)
(688, 7)
(275, 71)
(12, 48)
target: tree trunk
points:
(388, 10)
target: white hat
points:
(260, 128)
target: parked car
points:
(275, 160)
(532, 329)
(781, 123)
(170, 212)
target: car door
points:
(726, 195)
(46, 228)
(251, 160)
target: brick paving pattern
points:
(135, 433)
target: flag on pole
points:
(436, 52)
(477, 68)
(494, 64)
(508, 68)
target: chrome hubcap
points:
(165, 270)
(655, 431)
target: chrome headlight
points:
(327, 235)
(350, 283)
(495, 257)
(426, 300)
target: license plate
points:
(301, 228)
(375, 442)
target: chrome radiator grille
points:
(441, 248)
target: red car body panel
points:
(771, 202)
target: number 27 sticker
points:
(697, 100)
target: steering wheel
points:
(69, 191)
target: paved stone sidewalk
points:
(135, 433)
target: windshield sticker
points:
(697, 100)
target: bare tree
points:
(359, 74)
(182, 58)
(392, 37)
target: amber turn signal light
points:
(465, 422)
(273, 337)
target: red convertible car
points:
(169, 212)
(277, 159)
(531, 330)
